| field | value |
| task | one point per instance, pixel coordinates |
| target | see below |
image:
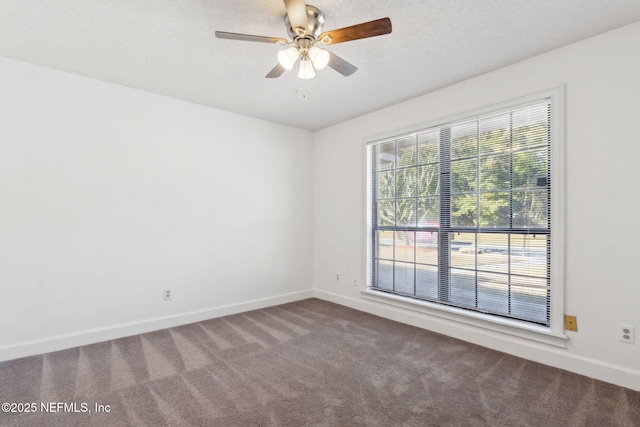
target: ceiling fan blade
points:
(340, 65)
(378, 27)
(276, 72)
(250, 38)
(297, 13)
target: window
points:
(460, 213)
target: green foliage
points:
(500, 180)
(498, 177)
(408, 193)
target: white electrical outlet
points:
(355, 282)
(626, 334)
(337, 277)
(167, 294)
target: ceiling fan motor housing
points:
(315, 19)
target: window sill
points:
(510, 327)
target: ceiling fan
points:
(304, 24)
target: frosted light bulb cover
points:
(320, 57)
(287, 58)
(306, 70)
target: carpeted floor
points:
(308, 363)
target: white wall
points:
(602, 78)
(109, 195)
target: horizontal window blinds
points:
(461, 213)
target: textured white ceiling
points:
(168, 47)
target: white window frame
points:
(552, 334)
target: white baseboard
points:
(549, 355)
(61, 342)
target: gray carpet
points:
(309, 363)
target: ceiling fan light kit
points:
(304, 24)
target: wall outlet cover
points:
(570, 323)
(627, 334)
